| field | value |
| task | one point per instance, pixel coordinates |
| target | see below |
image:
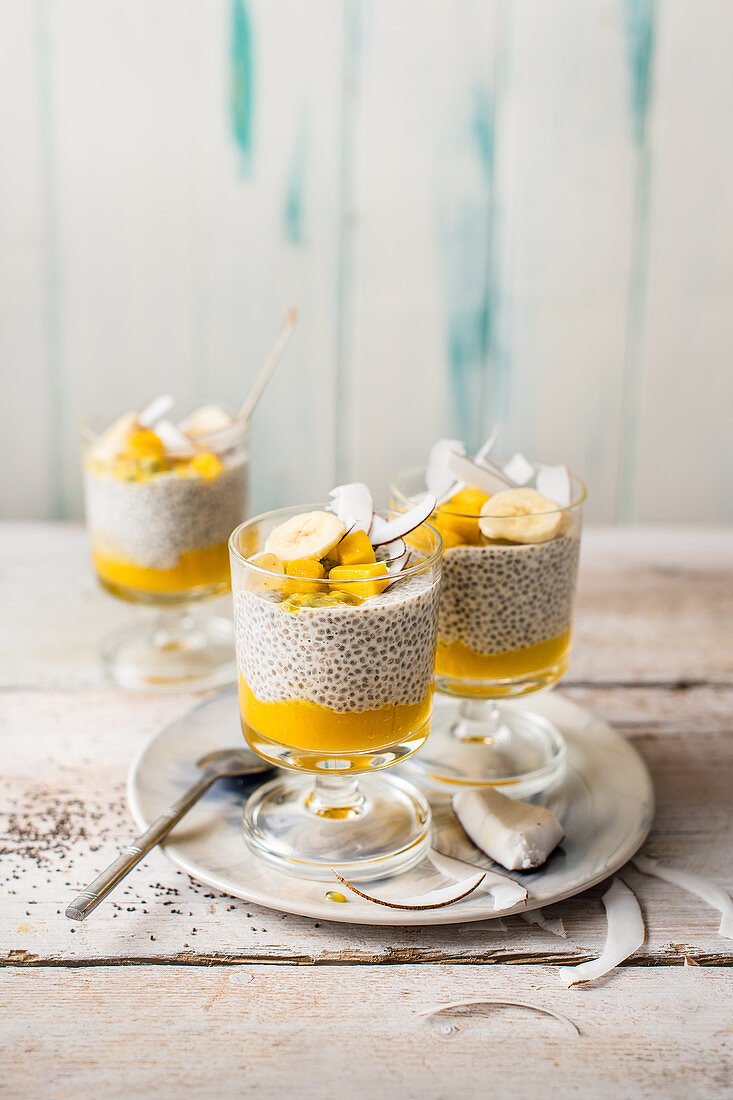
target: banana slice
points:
(309, 535)
(267, 584)
(520, 515)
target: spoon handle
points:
(130, 856)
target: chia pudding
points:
(347, 658)
(161, 504)
(497, 598)
(335, 635)
(153, 522)
(509, 568)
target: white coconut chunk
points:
(488, 478)
(173, 439)
(519, 469)
(518, 835)
(438, 478)
(694, 884)
(354, 505)
(625, 934)
(160, 406)
(112, 441)
(554, 483)
(204, 421)
(401, 525)
(505, 892)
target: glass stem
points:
(478, 720)
(336, 796)
(171, 628)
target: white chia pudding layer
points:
(153, 522)
(503, 597)
(348, 658)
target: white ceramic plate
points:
(605, 804)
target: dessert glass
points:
(504, 631)
(331, 692)
(159, 530)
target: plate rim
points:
(385, 917)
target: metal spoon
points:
(215, 765)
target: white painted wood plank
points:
(565, 187)
(120, 81)
(272, 1031)
(267, 227)
(685, 445)
(418, 158)
(26, 266)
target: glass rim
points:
(294, 510)
(234, 432)
(420, 468)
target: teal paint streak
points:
(640, 30)
(483, 129)
(294, 210)
(639, 25)
(466, 247)
(242, 84)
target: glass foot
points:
(176, 652)
(368, 829)
(483, 744)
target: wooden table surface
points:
(173, 988)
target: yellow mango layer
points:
(195, 569)
(301, 724)
(457, 660)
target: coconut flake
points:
(155, 409)
(432, 899)
(487, 477)
(388, 530)
(391, 551)
(518, 469)
(486, 448)
(554, 483)
(111, 442)
(174, 441)
(702, 888)
(504, 890)
(208, 420)
(625, 935)
(354, 505)
(518, 835)
(438, 477)
(496, 1003)
(554, 925)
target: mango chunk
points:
(207, 465)
(457, 519)
(144, 444)
(354, 549)
(306, 572)
(370, 579)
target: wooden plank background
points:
(484, 210)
